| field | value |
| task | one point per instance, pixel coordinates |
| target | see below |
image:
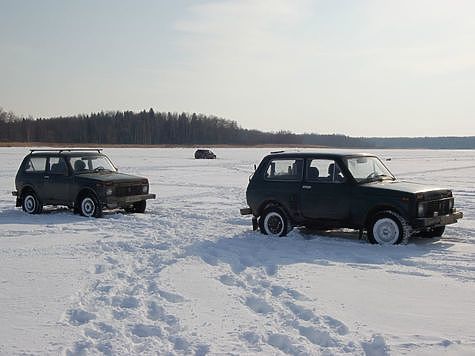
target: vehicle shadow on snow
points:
(252, 249)
(49, 216)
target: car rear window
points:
(284, 169)
(35, 164)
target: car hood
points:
(114, 177)
(398, 186)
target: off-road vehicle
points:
(204, 154)
(357, 191)
(85, 180)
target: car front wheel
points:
(138, 207)
(388, 228)
(274, 222)
(89, 206)
(31, 204)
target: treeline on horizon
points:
(160, 128)
(153, 128)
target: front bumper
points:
(114, 202)
(438, 220)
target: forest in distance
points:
(165, 128)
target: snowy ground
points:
(190, 277)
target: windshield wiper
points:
(99, 169)
(376, 177)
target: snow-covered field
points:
(191, 277)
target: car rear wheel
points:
(89, 206)
(31, 204)
(274, 222)
(388, 228)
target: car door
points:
(325, 192)
(283, 177)
(33, 174)
(57, 181)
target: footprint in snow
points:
(376, 346)
(142, 330)
(80, 317)
(317, 337)
(336, 325)
(125, 302)
(258, 305)
(156, 312)
(301, 312)
(284, 344)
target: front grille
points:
(442, 207)
(123, 191)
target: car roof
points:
(332, 155)
(66, 152)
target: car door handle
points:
(306, 187)
(46, 177)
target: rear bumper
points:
(114, 202)
(245, 211)
(438, 220)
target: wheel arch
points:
(27, 188)
(271, 203)
(380, 208)
(82, 193)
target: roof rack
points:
(68, 150)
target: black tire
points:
(30, 203)
(432, 232)
(89, 206)
(274, 222)
(388, 228)
(138, 207)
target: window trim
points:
(307, 166)
(48, 164)
(25, 171)
(298, 179)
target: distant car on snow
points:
(85, 180)
(204, 154)
(329, 190)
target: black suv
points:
(85, 180)
(204, 154)
(357, 191)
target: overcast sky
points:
(361, 68)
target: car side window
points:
(57, 165)
(35, 165)
(324, 171)
(284, 169)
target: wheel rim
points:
(29, 204)
(386, 231)
(88, 206)
(274, 224)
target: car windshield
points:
(91, 164)
(368, 169)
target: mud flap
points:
(255, 225)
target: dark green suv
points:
(357, 191)
(85, 180)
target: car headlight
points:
(145, 189)
(109, 191)
(420, 209)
